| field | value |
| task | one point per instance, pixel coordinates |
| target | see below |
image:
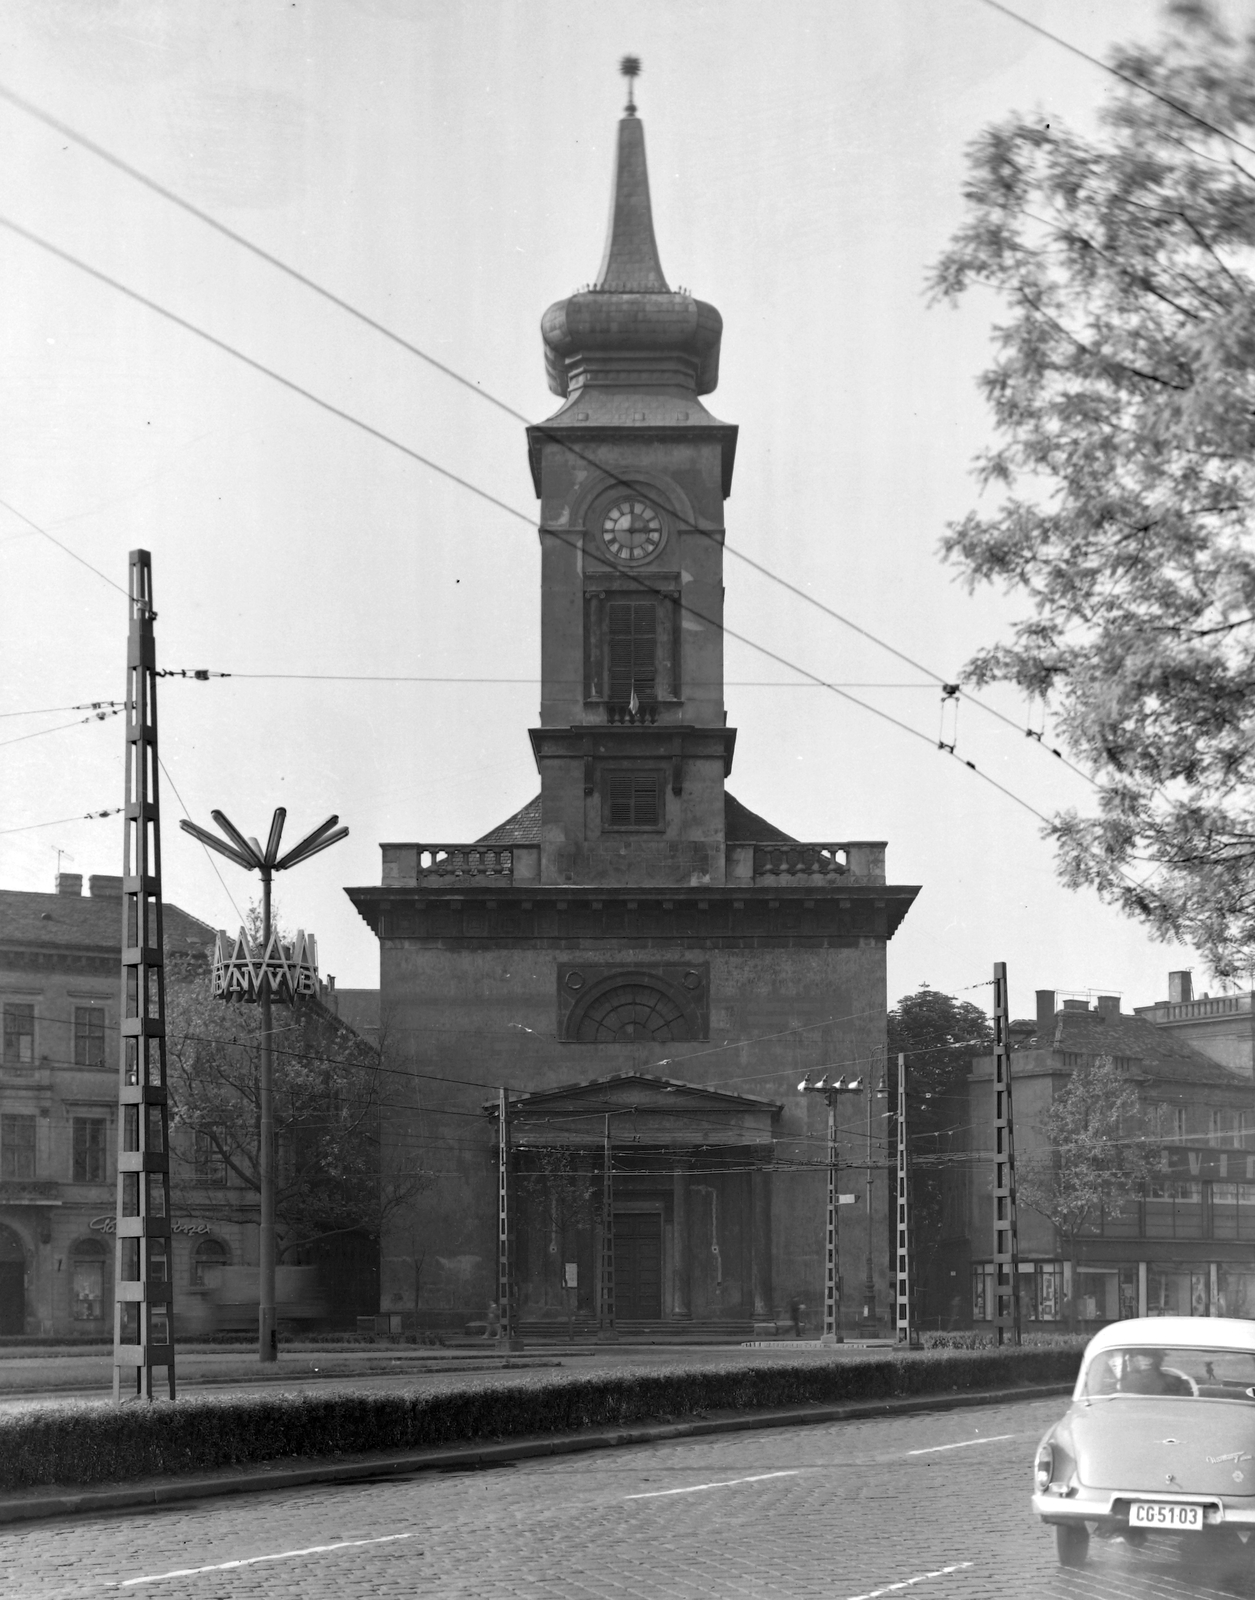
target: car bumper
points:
(1111, 1510)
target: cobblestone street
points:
(932, 1504)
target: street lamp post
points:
(248, 853)
(832, 1275)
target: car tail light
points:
(1044, 1467)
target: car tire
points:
(1072, 1543)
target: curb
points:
(40, 1503)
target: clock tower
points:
(632, 472)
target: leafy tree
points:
(939, 1035)
(328, 1090)
(1090, 1163)
(1123, 394)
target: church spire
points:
(630, 263)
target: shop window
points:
(89, 1036)
(87, 1281)
(1233, 1211)
(89, 1150)
(17, 1146)
(1174, 1211)
(209, 1161)
(19, 1035)
(208, 1260)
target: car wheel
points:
(1072, 1543)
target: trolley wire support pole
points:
(832, 1244)
(143, 1315)
(908, 1333)
(507, 1299)
(242, 974)
(1006, 1307)
(607, 1238)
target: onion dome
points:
(629, 329)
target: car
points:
(1159, 1439)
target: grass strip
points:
(90, 1443)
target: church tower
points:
(632, 472)
(638, 967)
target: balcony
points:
(438, 865)
(619, 714)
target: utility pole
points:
(869, 1279)
(506, 1300)
(239, 976)
(908, 1333)
(1006, 1307)
(143, 1314)
(607, 1238)
(832, 1246)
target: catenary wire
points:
(96, 716)
(30, 109)
(1133, 83)
(346, 416)
(73, 554)
(56, 822)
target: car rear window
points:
(1174, 1371)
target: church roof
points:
(741, 826)
(629, 331)
(522, 828)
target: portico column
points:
(760, 1240)
(681, 1305)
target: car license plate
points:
(1167, 1514)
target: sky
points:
(446, 170)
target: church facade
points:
(644, 964)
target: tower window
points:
(632, 637)
(632, 800)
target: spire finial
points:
(630, 67)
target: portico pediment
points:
(642, 1109)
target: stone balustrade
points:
(765, 865)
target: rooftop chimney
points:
(1180, 988)
(70, 883)
(1109, 1007)
(104, 887)
(1076, 1005)
(1045, 1018)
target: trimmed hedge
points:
(91, 1443)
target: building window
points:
(208, 1260)
(632, 802)
(1171, 1121)
(618, 1013)
(89, 1149)
(17, 1146)
(89, 1036)
(87, 1281)
(1230, 1128)
(631, 650)
(211, 1164)
(19, 1035)
(1174, 1210)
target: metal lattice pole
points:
(1006, 1306)
(505, 1222)
(908, 1333)
(143, 1313)
(607, 1237)
(832, 1258)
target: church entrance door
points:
(637, 1266)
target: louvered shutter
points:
(632, 637)
(619, 795)
(632, 799)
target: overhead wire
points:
(387, 439)
(340, 303)
(96, 716)
(57, 822)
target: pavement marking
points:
(962, 1444)
(907, 1583)
(252, 1561)
(722, 1483)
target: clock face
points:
(632, 530)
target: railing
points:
(800, 860)
(465, 861)
(620, 713)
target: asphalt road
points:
(933, 1505)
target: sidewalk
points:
(31, 1375)
(54, 1501)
